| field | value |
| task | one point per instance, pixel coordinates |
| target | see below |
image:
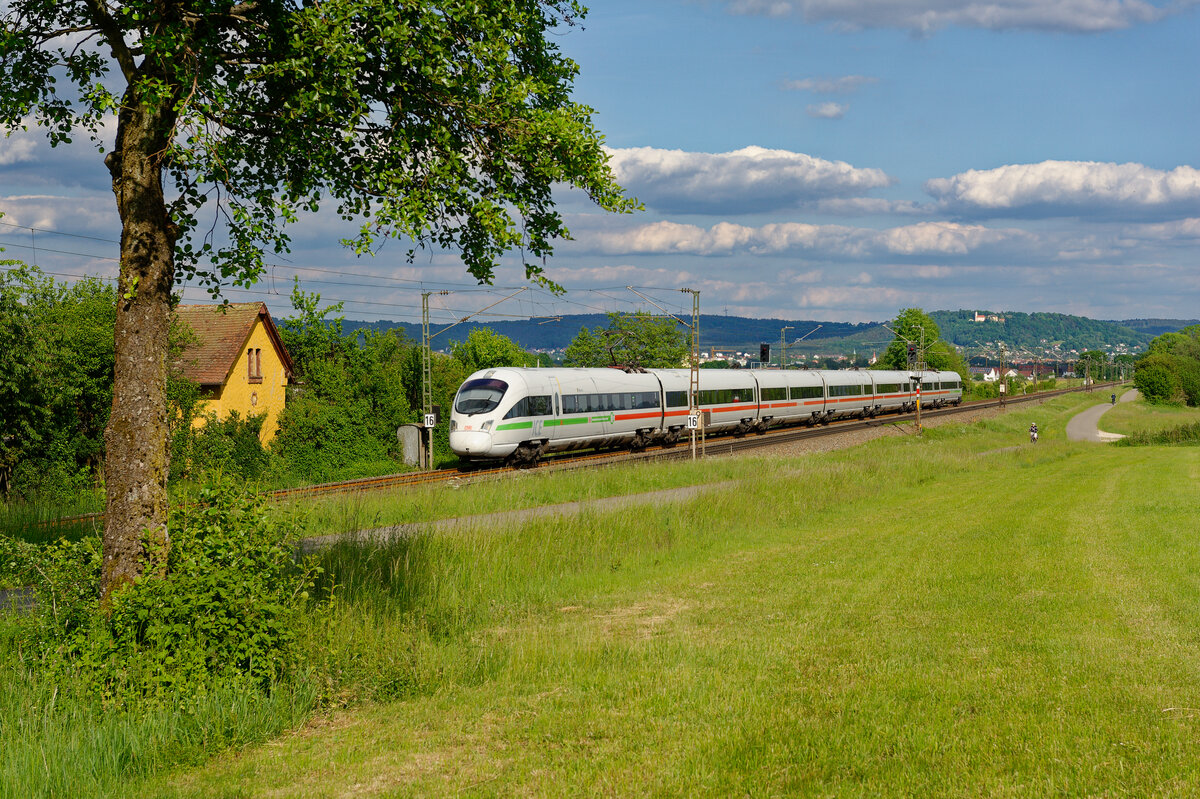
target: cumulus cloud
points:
(750, 180)
(827, 110)
(94, 216)
(832, 241)
(840, 85)
(924, 17)
(17, 148)
(1071, 188)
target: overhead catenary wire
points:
(542, 303)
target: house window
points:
(254, 364)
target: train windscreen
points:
(479, 396)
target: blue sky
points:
(821, 159)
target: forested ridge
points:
(958, 327)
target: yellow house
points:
(239, 361)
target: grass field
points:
(958, 615)
(1141, 417)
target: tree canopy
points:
(446, 123)
(486, 349)
(915, 327)
(638, 340)
(1169, 372)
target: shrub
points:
(229, 446)
(1158, 380)
(225, 612)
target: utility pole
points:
(694, 388)
(426, 459)
(1003, 379)
(429, 420)
(920, 377)
(783, 348)
(916, 364)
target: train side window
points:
(518, 410)
(677, 399)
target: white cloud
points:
(1070, 188)
(753, 179)
(946, 238)
(924, 16)
(840, 85)
(827, 110)
(18, 147)
(831, 241)
(95, 216)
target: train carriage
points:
(894, 390)
(788, 397)
(729, 396)
(848, 393)
(605, 408)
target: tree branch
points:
(116, 41)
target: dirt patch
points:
(643, 620)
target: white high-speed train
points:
(520, 414)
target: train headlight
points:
(486, 426)
(453, 425)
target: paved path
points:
(383, 534)
(1085, 426)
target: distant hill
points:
(715, 331)
(1156, 327)
(1037, 331)
(1040, 332)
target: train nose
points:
(470, 442)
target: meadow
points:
(960, 614)
(957, 615)
(1140, 416)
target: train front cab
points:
(939, 389)
(479, 406)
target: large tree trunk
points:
(137, 454)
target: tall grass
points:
(60, 743)
(40, 522)
(1184, 435)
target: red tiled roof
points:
(222, 331)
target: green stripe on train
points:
(514, 426)
(557, 422)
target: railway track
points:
(722, 445)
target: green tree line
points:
(350, 392)
(1169, 371)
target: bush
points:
(1158, 380)
(225, 612)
